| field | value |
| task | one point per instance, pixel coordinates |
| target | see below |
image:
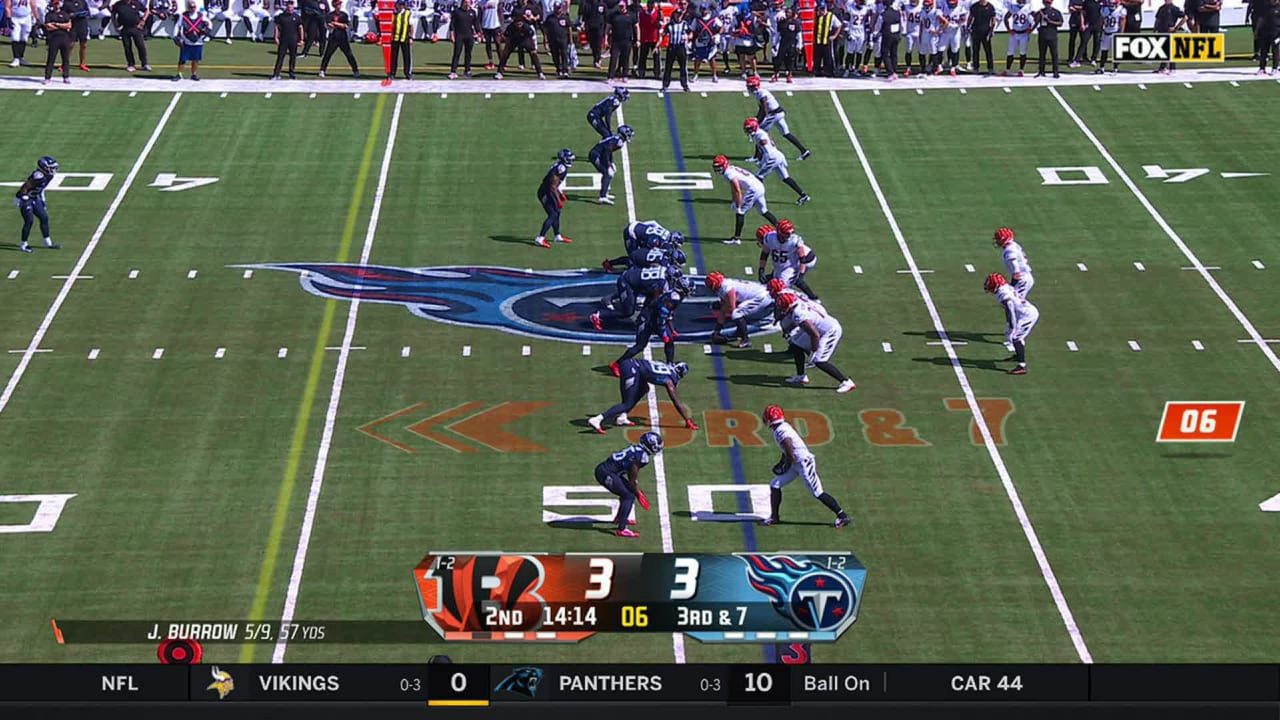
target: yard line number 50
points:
(684, 585)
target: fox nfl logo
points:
(1170, 47)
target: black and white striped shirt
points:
(678, 32)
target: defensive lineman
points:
(618, 474)
(811, 331)
(1020, 315)
(797, 461)
(634, 378)
(601, 157)
(770, 114)
(747, 191)
(30, 202)
(769, 159)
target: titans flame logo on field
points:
(811, 597)
(549, 304)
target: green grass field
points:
(192, 472)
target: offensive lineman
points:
(552, 198)
(599, 115)
(618, 475)
(811, 330)
(1019, 21)
(797, 461)
(30, 202)
(1020, 315)
(739, 300)
(770, 113)
(769, 159)
(601, 157)
(747, 191)
(634, 379)
(792, 259)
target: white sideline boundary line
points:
(997, 460)
(85, 254)
(659, 464)
(335, 395)
(1198, 266)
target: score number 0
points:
(685, 581)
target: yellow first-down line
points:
(272, 552)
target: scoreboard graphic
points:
(567, 598)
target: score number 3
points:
(684, 583)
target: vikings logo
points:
(549, 304)
(810, 597)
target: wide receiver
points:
(797, 462)
(1020, 315)
(618, 474)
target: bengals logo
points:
(482, 593)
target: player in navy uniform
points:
(552, 198)
(618, 474)
(30, 201)
(639, 237)
(634, 378)
(601, 112)
(645, 280)
(658, 318)
(601, 156)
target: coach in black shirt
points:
(1207, 16)
(1169, 18)
(520, 35)
(463, 26)
(622, 35)
(289, 35)
(1075, 17)
(1090, 31)
(339, 23)
(79, 12)
(557, 28)
(57, 36)
(1049, 21)
(313, 16)
(128, 16)
(789, 29)
(982, 26)
(890, 36)
(1266, 19)
(591, 13)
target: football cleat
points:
(541, 242)
(733, 241)
(846, 386)
(629, 520)
(627, 533)
(797, 380)
(804, 155)
(803, 199)
(841, 521)
(1020, 370)
(595, 421)
(563, 239)
(604, 200)
(623, 421)
(615, 369)
(595, 321)
(742, 344)
(769, 521)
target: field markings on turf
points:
(1168, 230)
(404, 351)
(1197, 345)
(1258, 264)
(1071, 345)
(219, 353)
(993, 451)
(299, 438)
(93, 353)
(340, 372)
(659, 463)
(83, 260)
(13, 274)
(1134, 346)
(1140, 267)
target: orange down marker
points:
(1189, 421)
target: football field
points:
(198, 423)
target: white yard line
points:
(89, 247)
(335, 395)
(1196, 265)
(659, 465)
(1046, 571)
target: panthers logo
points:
(522, 681)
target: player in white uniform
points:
(728, 19)
(1020, 318)
(100, 10)
(792, 259)
(225, 11)
(769, 159)
(911, 32)
(769, 114)
(816, 333)
(256, 17)
(1113, 21)
(1015, 261)
(23, 15)
(747, 191)
(855, 36)
(1019, 20)
(955, 18)
(797, 462)
(740, 301)
(931, 19)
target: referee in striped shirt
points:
(401, 40)
(678, 36)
